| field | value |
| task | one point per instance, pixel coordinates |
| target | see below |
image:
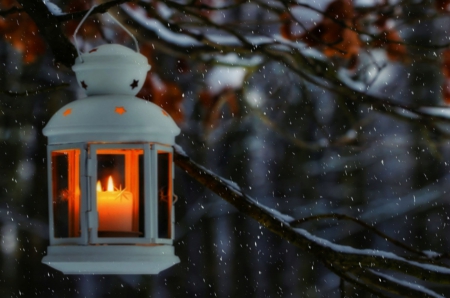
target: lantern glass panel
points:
(66, 193)
(164, 194)
(120, 192)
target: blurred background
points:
(292, 145)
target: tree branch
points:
(10, 11)
(360, 222)
(63, 51)
(101, 8)
(34, 91)
(396, 286)
(347, 276)
(334, 254)
(306, 67)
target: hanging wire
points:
(84, 19)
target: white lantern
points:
(110, 172)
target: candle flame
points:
(110, 184)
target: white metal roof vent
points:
(111, 69)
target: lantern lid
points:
(111, 119)
(111, 69)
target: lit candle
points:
(115, 208)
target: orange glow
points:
(67, 192)
(115, 208)
(118, 201)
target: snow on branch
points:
(177, 39)
(400, 287)
(53, 8)
(360, 262)
(101, 8)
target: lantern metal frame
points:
(83, 239)
(115, 255)
(157, 148)
(93, 217)
(151, 222)
(88, 194)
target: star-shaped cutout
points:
(83, 84)
(120, 110)
(67, 112)
(134, 84)
(93, 50)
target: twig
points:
(101, 8)
(360, 222)
(393, 285)
(64, 52)
(335, 254)
(346, 275)
(202, 6)
(10, 11)
(34, 91)
(342, 287)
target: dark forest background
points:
(310, 123)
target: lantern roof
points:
(111, 69)
(111, 119)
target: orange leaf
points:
(6, 4)
(446, 92)
(340, 10)
(146, 91)
(206, 99)
(441, 5)
(170, 98)
(391, 41)
(147, 50)
(133, 5)
(334, 34)
(446, 63)
(23, 34)
(346, 45)
(167, 95)
(285, 29)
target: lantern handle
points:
(118, 23)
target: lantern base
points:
(108, 259)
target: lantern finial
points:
(110, 68)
